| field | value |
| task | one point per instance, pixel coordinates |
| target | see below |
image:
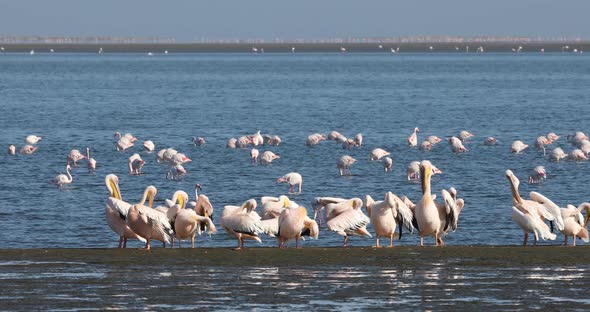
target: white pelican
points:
(231, 143)
(272, 207)
(294, 223)
(135, 163)
(427, 214)
(347, 218)
(292, 178)
(528, 214)
(344, 164)
(490, 141)
(537, 175)
(387, 164)
(558, 154)
(267, 157)
(116, 210)
(203, 207)
(465, 135)
(149, 146)
(518, 146)
(91, 161)
(254, 155)
(242, 222)
(456, 145)
(378, 153)
(386, 214)
(319, 203)
(149, 223)
(413, 138)
(448, 212)
(187, 223)
(27, 149)
(74, 156)
(62, 179)
(574, 224)
(33, 139)
(11, 150)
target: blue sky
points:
(306, 19)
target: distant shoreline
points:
(433, 47)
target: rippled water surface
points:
(77, 100)
(72, 286)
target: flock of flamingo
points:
(280, 217)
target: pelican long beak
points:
(115, 189)
(151, 196)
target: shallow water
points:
(174, 285)
(80, 100)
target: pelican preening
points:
(242, 222)
(148, 222)
(294, 223)
(530, 214)
(347, 219)
(388, 214)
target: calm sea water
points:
(76, 101)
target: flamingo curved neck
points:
(70, 179)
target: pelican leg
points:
(345, 241)
(179, 244)
(120, 241)
(574, 244)
(535, 244)
(148, 245)
(526, 237)
(391, 240)
(124, 242)
(377, 242)
(297, 242)
(565, 240)
(421, 240)
(239, 245)
(193, 241)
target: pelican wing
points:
(119, 206)
(451, 211)
(270, 227)
(551, 207)
(243, 223)
(157, 220)
(348, 222)
(404, 215)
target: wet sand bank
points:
(299, 47)
(501, 256)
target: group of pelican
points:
(162, 223)
(530, 215)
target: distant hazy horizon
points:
(189, 21)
